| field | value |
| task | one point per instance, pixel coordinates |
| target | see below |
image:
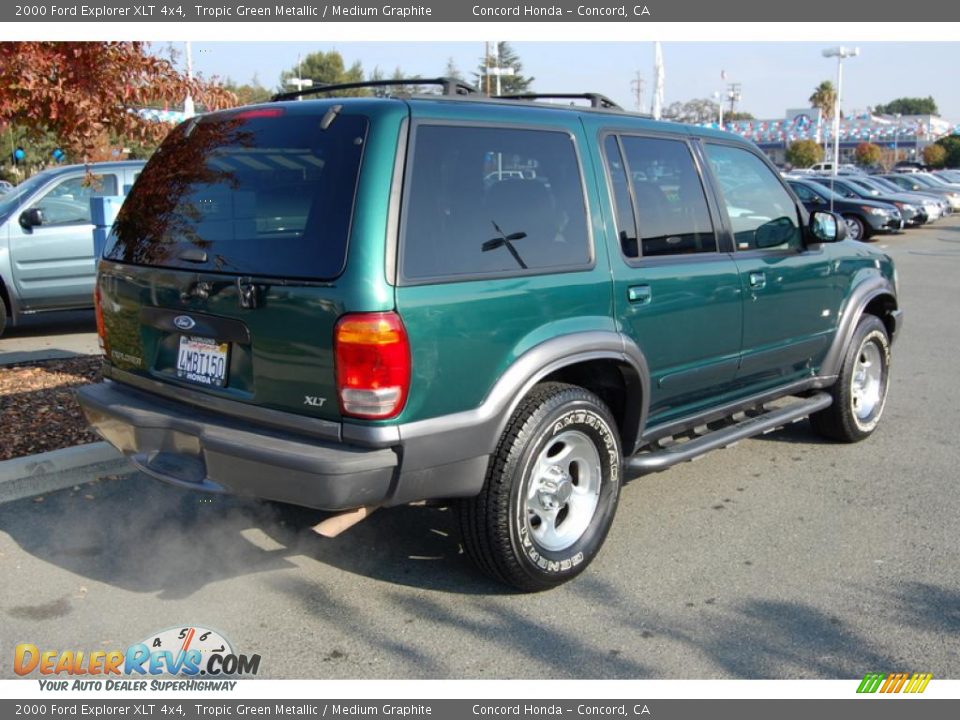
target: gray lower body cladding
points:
(186, 446)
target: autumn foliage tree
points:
(85, 93)
(935, 156)
(868, 154)
(804, 153)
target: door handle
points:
(758, 280)
(639, 294)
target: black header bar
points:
(634, 11)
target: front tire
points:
(860, 393)
(856, 228)
(551, 490)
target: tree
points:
(804, 153)
(250, 93)
(934, 156)
(38, 147)
(323, 68)
(737, 115)
(951, 145)
(693, 111)
(452, 71)
(868, 154)
(824, 98)
(509, 84)
(908, 106)
(84, 93)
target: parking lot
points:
(783, 557)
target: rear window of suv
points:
(256, 192)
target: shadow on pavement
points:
(143, 536)
(55, 323)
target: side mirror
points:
(827, 227)
(31, 218)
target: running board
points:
(661, 459)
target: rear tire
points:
(860, 393)
(551, 490)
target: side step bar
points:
(653, 461)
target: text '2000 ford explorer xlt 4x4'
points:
(352, 303)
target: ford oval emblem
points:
(184, 322)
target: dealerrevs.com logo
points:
(203, 659)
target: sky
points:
(775, 76)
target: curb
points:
(58, 469)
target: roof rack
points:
(451, 86)
(596, 99)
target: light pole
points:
(189, 109)
(840, 53)
(896, 139)
(719, 97)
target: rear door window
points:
(672, 211)
(492, 201)
(257, 192)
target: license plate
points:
(202, 361)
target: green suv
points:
(352, 303)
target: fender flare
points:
(857, 301)
(451, 438)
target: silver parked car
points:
(46, 237)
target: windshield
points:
(255, 192)
(823, 191)
(840, 189)
(866, 187)
(925, 181)
(886, 184)
(937, 182)
(12, 200)
(903, 182)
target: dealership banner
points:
(479, 709)
(259, 11)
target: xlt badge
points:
(313, 401)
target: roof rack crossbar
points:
(451, 86)
(596, 99)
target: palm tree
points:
(824, 98)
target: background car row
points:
(874, 204)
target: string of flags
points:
(802, 127)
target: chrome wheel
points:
(563, 490)
(866, 383)
(854, 228)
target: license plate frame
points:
(203, 361)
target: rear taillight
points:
(101, 327)
(372, 357)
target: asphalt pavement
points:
(48, 336)
(782, 557)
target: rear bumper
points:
(188, 447)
